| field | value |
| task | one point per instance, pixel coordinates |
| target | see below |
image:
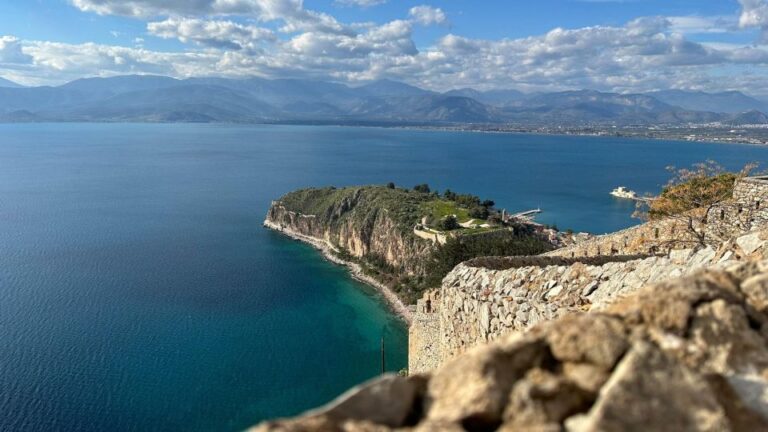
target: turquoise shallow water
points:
(139, 292)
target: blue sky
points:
(617, 45)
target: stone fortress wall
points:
(748, 210)
(485, 298)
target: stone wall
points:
(480, 305)
(424, 349)
(752, 194)
(747, 211)
(483, 299)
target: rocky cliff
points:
(372, 224)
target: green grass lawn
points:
(439, 209)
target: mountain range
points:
(165, 99)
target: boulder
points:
(651, 391)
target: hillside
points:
(398, 236)
(725, 102)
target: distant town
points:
(711, 132)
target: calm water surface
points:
(138, 291)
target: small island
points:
(405, 240)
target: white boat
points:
(622, 192)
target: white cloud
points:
(702, 25)
(291, 12)
(11, 51)
(360, 3)
(231, 38)
(212, 33)
(754, 13)
(427, 15)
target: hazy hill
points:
(389, 88)
(589, 106)
(497, 98)
(159, 98)
(750, 118)
(726, 102)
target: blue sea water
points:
(139, 292)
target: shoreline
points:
(393, 301)
(427, 128)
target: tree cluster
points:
(690, 196)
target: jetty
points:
(526, 214)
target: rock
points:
(669, 305)
(726, 256)
(475, 388)
(722, 341)
(589, 289)
(594, 339)
(542, 400)
(680, 256)
(743, 399)
(485, 318)
(750, 242)
(587, 376)
(650, 391)
(756, 290)
(554, 292)
(387, 401)
(430, 426)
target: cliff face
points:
(363, 222)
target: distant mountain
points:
(749, 118)
(8, 83)
(497, 98)
(164, 99)
(174, 103)
(425, 108)
(121, 84)
(589, 106)
(389, 88)
(732, 102)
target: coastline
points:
(393, 301)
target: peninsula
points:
(403, 241)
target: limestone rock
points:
(750, 242)
(542, 400)
(756, 290)
(474, 389)
(384, 402)
(593, 339)
(651, 391)
(669, 305)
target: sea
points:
(140, 292)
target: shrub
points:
(423, 188)
(479, 212)
(449, 223)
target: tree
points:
(690, 199)
(449, 223)
(479, 212)
(488, 203)
(423, 188)
(390, 185)
(449, 195)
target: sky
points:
(544, 45)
